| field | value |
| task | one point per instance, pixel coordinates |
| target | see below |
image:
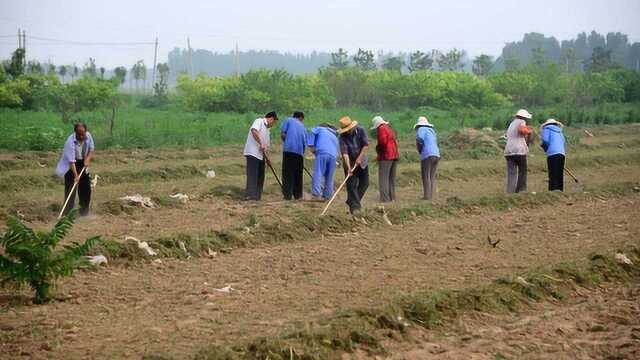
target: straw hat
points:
(377, 121)
(522, 113)
(552, 121)
(346, 124)
(423, 121)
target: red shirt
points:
(387, 147)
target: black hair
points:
(298, 114)
(272, 114)
(79, 125)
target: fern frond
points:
(67, 260)
(61, 229)
(16, 231)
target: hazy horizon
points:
(120, 32)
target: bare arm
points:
(87, 161)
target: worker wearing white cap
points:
(516, 150)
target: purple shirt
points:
(352, 143)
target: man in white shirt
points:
(256, 147)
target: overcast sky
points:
(294, 25)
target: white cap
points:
(377, 121)
(423, 121)
(524, 114)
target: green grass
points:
(172, 127)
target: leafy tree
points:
(339, 59)
(139, 72)
(365, 60)
(15, 67)
(569, 60)
(419, 61)
(102, 70)
(51, 70)
(62, 71)
(482, 65)
(75, 71)
(394, 63)
(160, 88)
(511, 64)
(34, 67)
(451, 61)
(600, 60)
(30, 257)
(120, 73)
(90, 69)
(538, 57)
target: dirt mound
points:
(469, 138)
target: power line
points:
(87, 43)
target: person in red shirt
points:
(387, 149)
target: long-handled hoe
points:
(73, 188)
(338, 191)
(272, 170)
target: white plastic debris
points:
(212, 253)
(139, 200)
(97, 260)
(142, 245)
(520, 280)
(182, 246)
(183, 198)
(211, 174)
(227, 289)
(623, 259)
(94, 180)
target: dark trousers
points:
(255, 178)
(357, 186)
(387, 179)
(83, 190)
(555, 164)
(516, 173)
(292, 166)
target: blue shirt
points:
(295, 136)
(324, 140)
(552, 140)
(427, 140)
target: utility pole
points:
(237, 61)
(24, 46)
(190, 58)
(155, 59)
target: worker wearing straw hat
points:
(516, 150)
(553, 143)
(353, 146)
(387, 149)
(73, 166)
(427, 146)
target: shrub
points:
(30, 257)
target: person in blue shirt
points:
(294, 141)
(427, 146)
(323, 143)
(553, 143)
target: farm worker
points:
(353, 147)
(77, 154)
(255, 151)
(323, 143)
(294, 141)
(516, 150)
(552, 141)
(427, 146)
(387, 149)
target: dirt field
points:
(285, 270)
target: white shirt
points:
(252, 148)
(516, 143)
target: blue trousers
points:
(324, 168)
